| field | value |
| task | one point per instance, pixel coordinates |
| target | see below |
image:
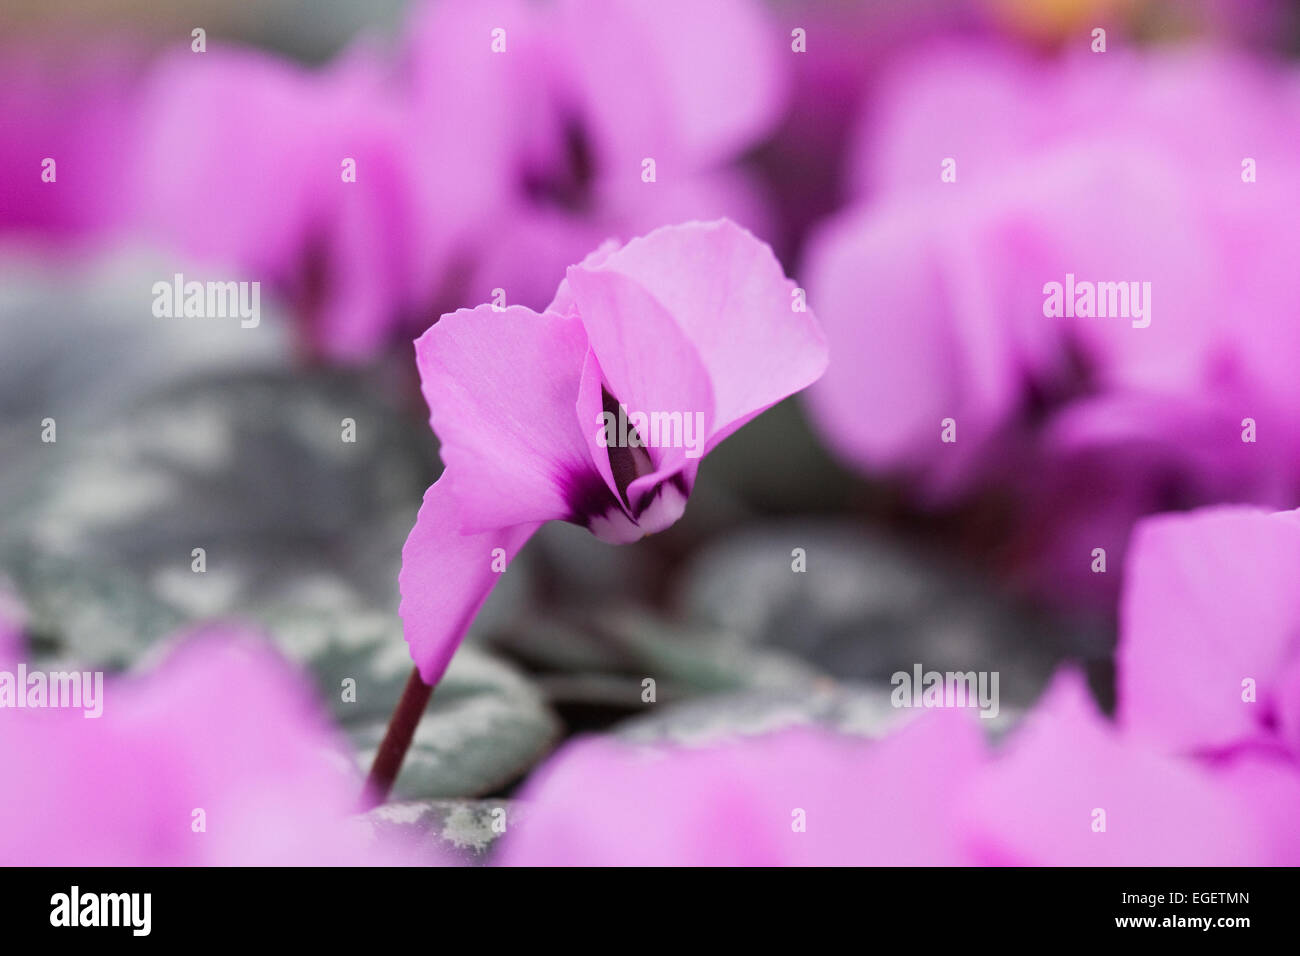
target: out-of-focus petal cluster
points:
(220, 756)
(1196, 770)
(504, 141)
(985, 176)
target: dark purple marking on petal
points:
(568, 183)
(588, 496)
(626, 463)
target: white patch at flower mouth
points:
(666, 505)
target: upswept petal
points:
(501, 388)
(730, 299)
(647, 363)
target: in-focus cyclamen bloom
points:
(222, 726)
(697, 319)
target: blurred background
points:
(824, 127)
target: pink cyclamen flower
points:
(800, 797)
(66, 107)
(221, 756)
(695, 327)
(1073, 789)
(535, 108)
(1209, 662)
(936, 286)
(1067, 788)
(985, 177)
(1192, 772)
(253, 166)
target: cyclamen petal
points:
(351, 254)
(1072, 790)
(222, 726)
(734, 304)
(693, 324)
(800, 797)
(446, 576)
(1211, 601)
(501, 388)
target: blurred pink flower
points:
(478, 164)
(1067, 789)
(222, 726)
(1190, 773)
(71, 102)
(1112, 169)
(1066, 773)
(242, 164)
(1210, 657)
(552, 125)
(696, 321)
(796, 798)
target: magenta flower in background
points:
(1126, 169)
(1188, 775)
(73, 103)
(296, 177)
(697, 322)
(800, 797)
(931, 793)
(552, 129)
(1066, 772)
(476, 166)
(1210, 657)
(223, 726)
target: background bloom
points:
(222, 726)
(934, 292)
(1210, 658)
(1072, 790)
(799, 798)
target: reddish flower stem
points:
(397, 740)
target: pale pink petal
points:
(502, 388)
(800, 797)
(706, 83)
(446, 576)
(1042, 802)
(646, 361)
(731, 301)
(1210, 602)
(223, 726)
